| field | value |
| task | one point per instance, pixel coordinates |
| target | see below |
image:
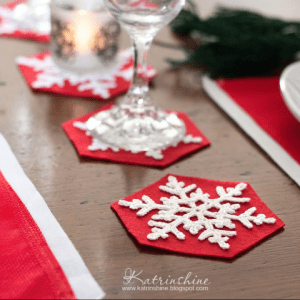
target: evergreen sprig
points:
(237, 43)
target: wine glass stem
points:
(138, 95)
(140, 50)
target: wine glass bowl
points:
(144, 16)
(136, 125)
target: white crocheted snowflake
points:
(154, 153)
(99, 83)
(8, 25)
(197, 212)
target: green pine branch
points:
(237, 43)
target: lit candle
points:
(84, 36)
(85, 28)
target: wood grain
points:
(79, 191)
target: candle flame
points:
(85, 28)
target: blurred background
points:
(288, 9)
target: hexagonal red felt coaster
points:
(9, 28)
(42, 74)
(92, 148)
(197, 216)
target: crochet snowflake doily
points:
(6, 24)
(154, 153)
(100, 83)
(9, 26)
(191, 207)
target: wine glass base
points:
(154, 130)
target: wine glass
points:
(136, 125)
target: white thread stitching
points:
(210, 221)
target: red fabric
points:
(171, 154)
(261, 99)
(68, 89)
(245, 238)
(24, 34)
(28, 269)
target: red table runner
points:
(38, 261)
(257, 106)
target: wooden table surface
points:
(79, 191)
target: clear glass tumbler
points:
(84, 36)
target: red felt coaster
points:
(197, 216)
(87, 146)
(8, 28)
(41, 74)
